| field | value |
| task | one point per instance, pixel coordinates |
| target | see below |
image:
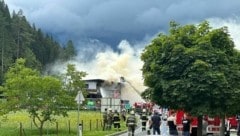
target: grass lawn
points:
(64, 126)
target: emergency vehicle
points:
(139, 106)
(213, 124)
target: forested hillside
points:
(20, 39)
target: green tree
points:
(73, 80)
(43, 97)
(5, 48)
(69, 52)
(18, 39)
(2, 40)
(194, 68)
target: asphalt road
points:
(139, 132)
(164, 131)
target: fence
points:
(20, 124)
(69, 127)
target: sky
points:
(111, 34)
(108, 22)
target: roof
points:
(94, 80)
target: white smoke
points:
(111, 66)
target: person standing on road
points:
(144, 119)
(238, 125)
(131, 123)
(204, 126)
(187, 128)
(171, 121)
(116, 120)
(156, 122)
(149, 125)
(123, 113)
(105, 121)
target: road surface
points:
(164, 131)
(139, 132)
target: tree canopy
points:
(73, 80)
(195, 68)
(43, 97)
(19, 39)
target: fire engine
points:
(213, 124)
(139, 106)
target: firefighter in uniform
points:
(131, 123)
(109, 119)
(144, 119)
(116, 120)
(105, 119)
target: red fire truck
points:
(139, 106)
(213, 124)
(233, 122)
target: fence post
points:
(97, 124)
(90, 125)
(82, 125)
(57, 127)
(20, 129)
(69, 128)
(80, 129)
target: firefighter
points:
(144, 119)
(116, 120)
(105, 122)
(131, 123)
(123, 113)
(109, 119)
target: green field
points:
(15, 124)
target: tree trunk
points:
(18, 45)
(222, 128)
(2, 55)
(199, 126)
(41, 129)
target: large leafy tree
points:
(194, 68)
(43, 97)
(73, 80)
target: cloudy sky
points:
(117, 30)
(108, 22)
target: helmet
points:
(144, 110)
(132, 112)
